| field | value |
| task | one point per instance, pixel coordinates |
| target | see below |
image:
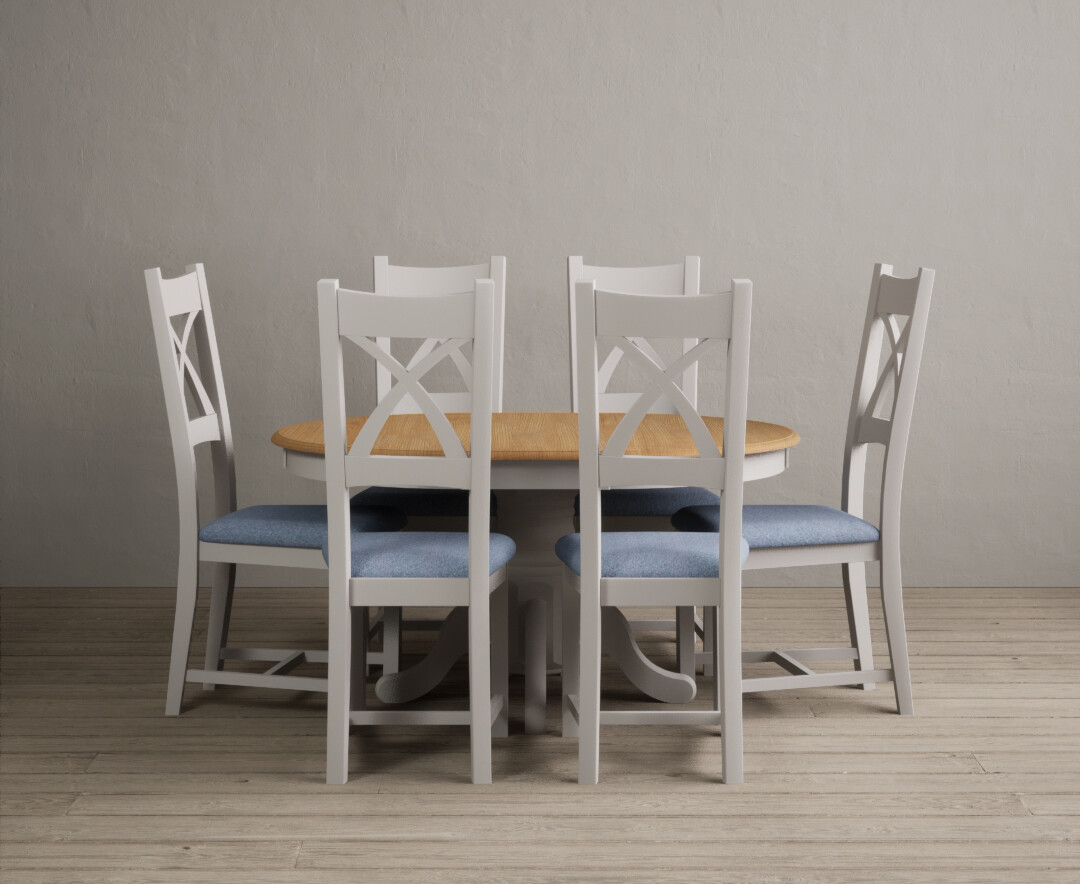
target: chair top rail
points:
(665, 279)
(412, 282)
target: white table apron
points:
(536, 508)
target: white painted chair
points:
(792, 536)
(461, 569)
(668, 279)
(430, 508)
(646, 508)
(656, 568)
(428, 282)
(283, 535)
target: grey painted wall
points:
(792, 143)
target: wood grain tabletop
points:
(537, 436)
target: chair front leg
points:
(500, 659)
(686, 640)
(858, 616)
(710, 617)
(391, 640)
(217, 631)
(571, 646)
(361, 627)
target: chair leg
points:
(187, 590)
(361, 628)
(534, 617)
(571, 615)
(730, 673)
(217, 631)
(708, 642)
(339, 688)
(892, 602)
(500, 659)
(710, 616)
(589, 691)
(686, 640)
(858, 616)
(480, 685)
(391, 640)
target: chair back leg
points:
(480, 686)
(187, 589)
(339, 687)
(589, 686)
(892, 603)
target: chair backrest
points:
(455, 320)
(897, 313)
(181, 315)
(720, 322)
(429, 282)
(665, 279)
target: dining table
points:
(534, 469)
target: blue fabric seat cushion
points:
(421, 554)
(650, 501)
(295, 525)
(649, 554)
(420, 501)
(772, 526)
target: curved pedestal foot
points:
(414, 682)
(617, 640)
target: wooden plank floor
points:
(982, 784)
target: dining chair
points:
(441, 568)
(646, 508)
(430, 508)
(280, 535)
(669, 279)
(614, 568)
(427, 282)
(786, 536)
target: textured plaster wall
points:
(793, 143)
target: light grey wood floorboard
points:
(981, 785)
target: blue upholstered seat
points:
(769, 527)
(650, 501)
(421, 554)
(294, 525)
(649, 554)
(420, 501)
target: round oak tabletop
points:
(537, 436)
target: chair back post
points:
(691, 286)
(498, 333)
(335, 440)
(588, 397)
(484, 345)
(668, 279)
(896, 452)
(735, 407)
(411, 282)
(186, 296)
(890, 297)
